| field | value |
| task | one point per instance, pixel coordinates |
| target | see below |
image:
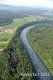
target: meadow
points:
(16, 23)
(41, 39)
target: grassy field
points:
(4, 36)
(13, 26)
(41, 39)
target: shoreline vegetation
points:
(40, 38)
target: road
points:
(38, 65)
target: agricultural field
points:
(18, 22)
(7, 31)
(41, 39)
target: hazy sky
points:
(36, 3)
